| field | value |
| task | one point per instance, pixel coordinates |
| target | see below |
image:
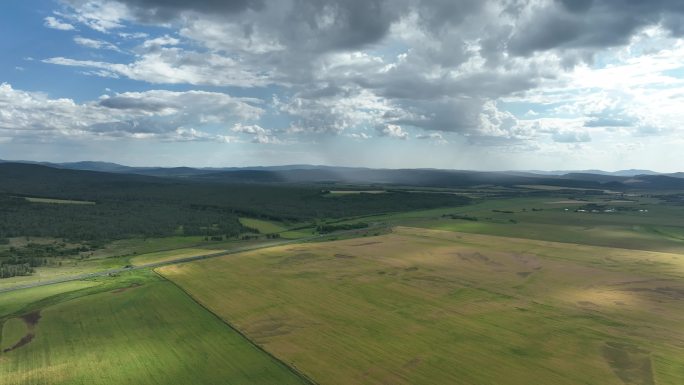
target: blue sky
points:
(491, 85)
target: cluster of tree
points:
(329, 228)
(8, 270)
(673, 199)
(22, 260)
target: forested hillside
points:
(133, 205)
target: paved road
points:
(179, 260)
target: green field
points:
(13, 331)
(134, 329)
(432, 307)
(263, 226)
(544, 218)
(58, 201)
(14, 301)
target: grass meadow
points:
(263, 226)
(421, 306)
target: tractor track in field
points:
(119, 270)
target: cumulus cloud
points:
(589, 24)
(54, 23)
(259, 134)
(392, 131)
(433, 65)
(167, 10)
(161, 114)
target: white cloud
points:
(260, 135)
(95, 44)
(101, 16)
(182, 134)
(54, 23)
(160, 114)
(392, 131)
(433, 136)
(359, 135)
(494, 122)
(133, 35)
(172, 65)
(161, 41)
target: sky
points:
(454, 84)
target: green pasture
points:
(133, 329)
(263, 226)
(58, 201)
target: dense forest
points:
(111, 219)
(134, 205)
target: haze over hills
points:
(153, 170)
(591, 179)
(630, 172)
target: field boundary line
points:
(291, 368)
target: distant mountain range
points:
(631, 172)
(597, 179)
(118, 168)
